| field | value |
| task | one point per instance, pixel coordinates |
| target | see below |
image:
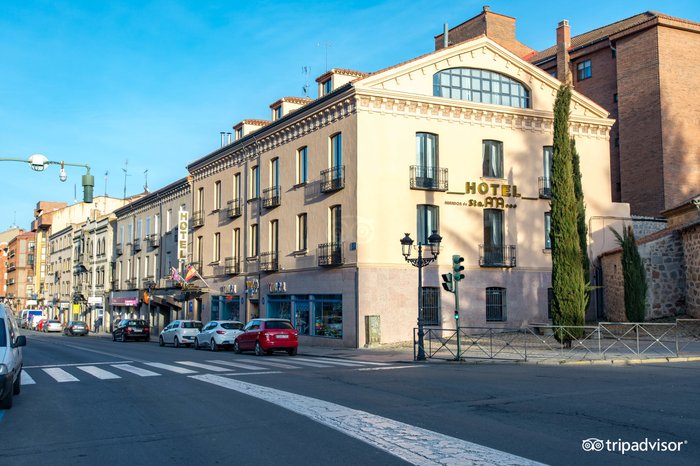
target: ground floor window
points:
(225, 307)
(495, 304)
(314, 315)
(431, 305)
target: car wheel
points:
(177, 343)
(292, 351)
(195, 345)
(6, 403)
(258, 349)
(122, 338)
(114, 337)
(17, 386)
(160, 341)
(236, 348)
(213, 346)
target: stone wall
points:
(645, 226)
(691, 250)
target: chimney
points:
(445, 40)
(228, 138)
(222, 138)
(563, 46)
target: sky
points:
(139, 89)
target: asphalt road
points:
(90, 401)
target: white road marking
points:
(75, 364)
(325, 362)
(236, 374)
(366, 363)
(27, 379)
(168, 367)
(412, 444)
(297, 362)
(238, 365)
(59, 375)
(275, 364)
(99, 373)
(386, 368)
(135, 370)
(207, 367)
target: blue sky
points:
(154, 82)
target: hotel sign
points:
(183, 226)
(493, 195)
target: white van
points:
(10, 358)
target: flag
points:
(174, 275)
(191, 272)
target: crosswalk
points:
(67, 373)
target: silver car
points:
(180, 333)
(218, 333)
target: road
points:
(91, 401)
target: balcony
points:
(428, 178)
(197, 218)
(149, 281)
(268, 261)
(333, 179)
(136, 245)
(496, 256)
(271, 197)
(114, 284)
(232, 266)
(119, 249)
(233, 208)
(330, 254)
(154, 240)
(131, 284)
(545, 186)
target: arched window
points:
(478, 85)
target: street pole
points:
(456, 288)
(421, 350)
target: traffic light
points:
(447, 284)
(457, 267)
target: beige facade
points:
(59, 273)
(367, 185)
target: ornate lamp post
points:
(420, 262)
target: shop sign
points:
(182, 234)
(277, 287)
(493, 195)
(132, 302)
(232, 288)
(252, 286)
(95, 300)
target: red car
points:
(40, 325)
(267, 335)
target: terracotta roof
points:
(294, 100)
(599, 34)
(343, 71)
(252, 121)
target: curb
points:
(617, 362)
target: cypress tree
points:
(634, 276)
(581, 215)
(569, 287)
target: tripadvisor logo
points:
(620, 446)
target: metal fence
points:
(606, 340)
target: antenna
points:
(325, 44)
(125, 170)
(106, 175)
(75, 193)
(305, 70)
(145, 174)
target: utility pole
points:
(126, 173)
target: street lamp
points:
(420, 262)
(39, 163)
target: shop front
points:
(123, 305)
(315, 315)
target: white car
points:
(218, 333)
(180, 333)
(52, 326)
(10, 358)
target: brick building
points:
(20, 270)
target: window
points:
(301, 232)
(200, 249)
(493, 236)
(583, 70)
(426, 160)
(495, 304)
(121, 234)
(546, 183)
(277, 113)
(236, 243)
(239, 133)
(254, 191)
(615, 97)
(148, 227)
(428, 220)
(547, 230)
(139, 224)
(478, 85)
(275, 173)
(274, 230)
(302, 165)
(168, 220)
(146, 263)
(216, 248)
(431, 305)
(336, 230)
(217, 195)
(253, 250)
(131, 232)
(493, 159)
(237, 186)
(326, 87)
(336, 151)
(156, 224)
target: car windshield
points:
(3, 337)
(231, 326)
(141, 323)
(79, 324)
(53, 322)
(197, 325)
(278, 324)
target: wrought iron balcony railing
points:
(333, 179)
(272, 197)
(496, 256)
(130, 284)
(268, 261)
(119, 249)
(545, 185)
(232, 266)
(136, 245)
(430, 178)
(233, 208)
(330, 253)
(154, 240)
(197, 218)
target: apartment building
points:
(21, 289)
(5, 237)
(302, 216)
(59, 273)
(145, 252)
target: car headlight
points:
(3, 369)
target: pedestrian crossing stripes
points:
(238, 366)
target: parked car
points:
(51, 326)
(267, 335)
(34, 322)
(76, 327)
(10, 358)
(218, 333)
(40, 325)
(131, 329)
(180, 333)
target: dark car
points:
(75, 327)
(267, 335)
(131, 329)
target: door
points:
(247, 339)
(493, 237)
